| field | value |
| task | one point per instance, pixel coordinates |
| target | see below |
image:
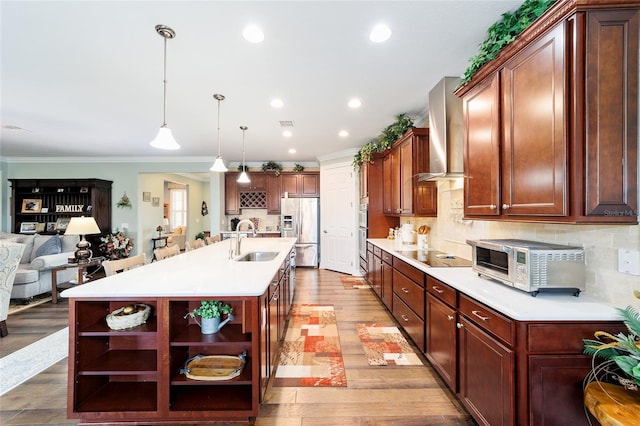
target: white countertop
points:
(513, 303)
(205, 272)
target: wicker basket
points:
(214, 367)
(118, 320)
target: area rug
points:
(385, 345)
(16, 305)
(350, 282)
(23, 364)
(311, 353)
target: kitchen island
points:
(133, 375)
(511, 358)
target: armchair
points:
(10, 254)
(178, 238)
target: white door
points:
(338, 222)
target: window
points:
(178, 212)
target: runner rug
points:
(385, 345)
(311, 353)
(350, 282)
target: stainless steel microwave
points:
(529, 265)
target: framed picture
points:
(62, 223)
(28, 227)
(155, 202)
(40, 227)
(44, 210)
(51, 227)
(31, 205)
(146, 196)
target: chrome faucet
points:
(233, 253)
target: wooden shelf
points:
(214, 398)
(118, 396)
(122, 362)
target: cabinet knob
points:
(505, 206)
(450, 317)
(459, 325)
(492, 206)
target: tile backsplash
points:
(601, 242)
(265, 220)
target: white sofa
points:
(33, 276)
(177, 237)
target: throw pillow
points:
(51, 246)
(178, 230)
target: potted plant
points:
(210, 312)
(272, 166)
(620, 352)
(200, 236)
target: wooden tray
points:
(214, 367)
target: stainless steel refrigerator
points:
(300, 218)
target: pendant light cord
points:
(164, 110)
(219, 127)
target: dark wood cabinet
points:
(274, 191)
(231, 194)
(560, 107)
(363, 181)
(408, 306)
(301, 184)
(441, 331)
(258, 182)
(63, 199)
(386, 278)
(403, 195)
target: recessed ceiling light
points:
(253, 34)
(343, 133)
(292, 150)
(355, 103)
(277, 103)
(287, 133)
(380, 33)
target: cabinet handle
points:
(478, 314)
(405, 318)
(492, 206)
(450, 317)
(505, 206)
(404, 290)
(459, 325)
(438, 289)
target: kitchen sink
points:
(258, 256)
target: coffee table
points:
(68, 284)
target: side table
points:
(611, 404)
(81, 268)
(158, 242)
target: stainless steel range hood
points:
(445, 132)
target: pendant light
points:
(243, 178)
(164, 139)
(218, 165)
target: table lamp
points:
(165, 223)
(82, 226)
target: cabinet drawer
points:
(414, 273)
(387, 258)
(411, 293)
(377, 251)
(409, 321)
(369, 247)
(441, 291)
(565, 338)
(488, 319)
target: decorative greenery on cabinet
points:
(504, 32)
(389, 135)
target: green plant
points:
(272, 166)
(240, 167)
(394, 131)
(504, 32)
(210, 309)
(124, 201)
(298, 168)
(620, 352)
(200, 236)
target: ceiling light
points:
(343, 133)
(292, 150)
(243, 178)
(253, 34)
(164, 139)
(218, 165)
(287, 133)
(277, 103)
(380, 33)
(354, 103)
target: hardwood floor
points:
(390, 395)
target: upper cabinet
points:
(403, 195)
(266, 189)
(302, 184)
(551, 125)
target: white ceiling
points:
(84, 78)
